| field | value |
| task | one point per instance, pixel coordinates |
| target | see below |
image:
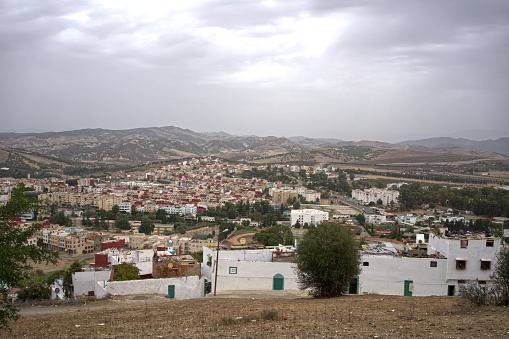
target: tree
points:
(61, 219)
(15, 251)
(115, 209)
(500, 278)
(274, 236)
(34, 288)
(122, 223)
(327, 258)
(125, 271)
(147, 226)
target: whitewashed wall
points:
(475, 251)
(185, 287)
(253, 275)
(263, 255)
(386, 274)
(84, 282)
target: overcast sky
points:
(352, 70)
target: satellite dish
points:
(170, 265)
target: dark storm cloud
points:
(234, 65)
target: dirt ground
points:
(366, 316)
(63, 263)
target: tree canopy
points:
(15, 251)
(327, 258)
(126, 272)
(274, 236)
(147, 226)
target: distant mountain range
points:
(500, 145)
(166, 143)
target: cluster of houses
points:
(438, 265)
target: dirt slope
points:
(369, 316)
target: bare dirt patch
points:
(367, 316)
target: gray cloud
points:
(347, 69)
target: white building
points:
(469, 257)
(374, 194)
(125, 207)
(250, 269)
(376, 219)
(309, 216)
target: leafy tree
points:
(296, 205)
(34, 288)
(15, 253)
(500, 278)
(147, 226)
(361, 219)
(274, 236)
(327, 258)
(115, 209)
(61, 219)
(125, 271)
(122, 223)
(198, 255)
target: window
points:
(464, 243)
(482, 282)
(461, 264)
(490, 243)
(366, 263)
(432, 264)
(485, 265)
(232, 270)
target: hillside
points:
(18, 163)
(141, 145)
(500, 145)
(366, 316)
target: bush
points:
(476, 293)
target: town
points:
(205, 225)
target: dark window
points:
(461, 264)
(464, 243)
(366, 263)
(482, 282)
(485, 265)
(432, 264)
(462, 281)
(490, 243)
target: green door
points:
(278, 282)
(450, 290)
(409, 288)
(171, 291)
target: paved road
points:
(353, 203)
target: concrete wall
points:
(95, 281)
(263, 255)
(473, 253)
(386, 274)
(185, 287)
(241, 275)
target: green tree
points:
(327, 258)
(126, 272)
(61, 219)
(361, 219)
(147, 226)
(115, 209)
(15, 252)
(274, 236)
(34, 288)
(122, 223)
(500, 278)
